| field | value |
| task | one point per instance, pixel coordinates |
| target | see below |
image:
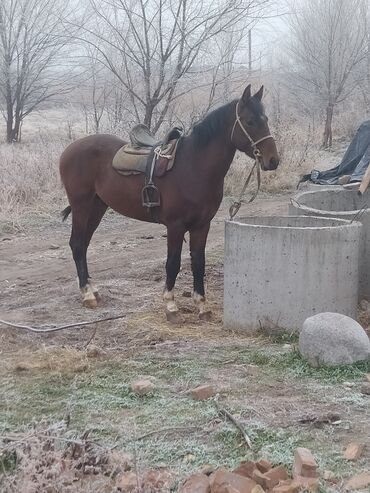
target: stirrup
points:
(150, 196)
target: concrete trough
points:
(341, 204)
(280, 270)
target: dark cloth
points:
(354, 163)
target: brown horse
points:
(191, 192)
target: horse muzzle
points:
(273, 163)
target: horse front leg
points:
(198, 239)
(175, 238)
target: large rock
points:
(332, 339)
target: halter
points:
(257, 160)
(256, 151)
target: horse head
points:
(251, 133)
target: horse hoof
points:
(207, 316)
(97, 296)
(92, 303)
(174, 317)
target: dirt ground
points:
(86, 373)
(126, 259)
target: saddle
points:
(145, 152)
(143, 155)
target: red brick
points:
(198, 483)
(216, 474)
(142, 387)
(226, 488)
(156, 479)
(308, 484)
(354, 451)
(222, 478)
(202, 392)
(288, 486)
(358, 482)
(260, 478)
(264, 465)
(246, 469)
(127, 482)
(207, 469)
(275, 475)
(258, 489)
(304, 464)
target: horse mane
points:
(214, 123)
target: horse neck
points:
(215, 158)
(223, 155)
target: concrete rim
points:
(341, 223)
(318, 212)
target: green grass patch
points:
(293, 364)
(221, 447)
(105, 389)
(101, 399)
(275, 445)
(8, 462)
(284, 338)
(289, 363)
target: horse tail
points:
(66, 212)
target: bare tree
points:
(96, 92)
(212, 81)
(32, 41)
(151, 45)
(364, 79)
(329, 41)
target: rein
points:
(235, 206)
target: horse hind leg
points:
(175, 238)
(198, 239)
(78, 246)
(86, 217)
(97, 212)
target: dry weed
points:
(298, 149)
(61, 359)
(29, 178)
(52, 459)
(29, 175)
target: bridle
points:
(256, 166)
(254, 143)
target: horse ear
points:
(246, 93)
(259, 94)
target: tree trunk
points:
(17, 129)
(9, 132)
(148, 117)
(13, 126)
(328, 134)
(9, 122)
(13, 116)
(96, 120)
(250, 52)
